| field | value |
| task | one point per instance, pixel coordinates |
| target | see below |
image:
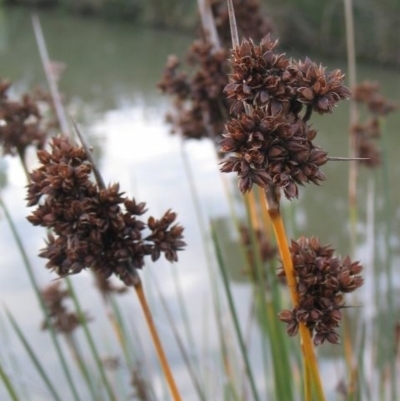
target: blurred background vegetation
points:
(315, 25)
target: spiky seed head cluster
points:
(366, 133)
(97, 228)
(20, 122)
(199, 103)
(322, 281)
(200, 108)
(59, 317)
(271, 149)
(369, 94)
(270, 139)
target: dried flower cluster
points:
(60, 318)
(199, 105)
(368, 93)
(94, 227)
(271, 139)
(20, 123)
(367, 133)
(200, 108)
(322, 281)
(142, 388)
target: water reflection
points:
(110, 82)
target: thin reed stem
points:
(259, 287)
(180, 344)
(272, 203)
(390, 316)
(251, 201)
(44, 56)
(73, 346)
(235, 318)
(307, 383)
(233, 25)
(9, 386)
(264, 213)
(207, 20)
(23, 164)
(353, 167)
(89, 338)
(33, 357)
(29, 269)
(207, 251)
(157, 343)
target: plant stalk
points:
(272, 202)
(353, 167)
(157, 343)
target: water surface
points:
(110, 88)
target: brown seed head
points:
(271, 149)
(319, 89)
(97, 228)
(322, 279)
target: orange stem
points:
(264, 213)
(253, 210)
(157, 343)
(272, 201)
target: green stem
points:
(9, 386)
(90, 341)
(29, 270)
(272, 202)
(33, 357)
(232, 308)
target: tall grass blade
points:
(184, 315)
(9, 386)
(353, 166)
(209, 257)
(35, 360)
(32, 279)
(233, 312)
(55, 94)
(90, 340)
(15, 365)
(391, 312)
(267, 313)
(193, 375)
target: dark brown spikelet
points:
(322, 281)
(270, 149)
(200, 107)
(368, 93)
(142, 388)
(261, 77)
(92, 227)
(319, 89)
(270, 140)
(367, 133)
(366, 147)
(20, 123)
(59, 316)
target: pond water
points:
(110, 87)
